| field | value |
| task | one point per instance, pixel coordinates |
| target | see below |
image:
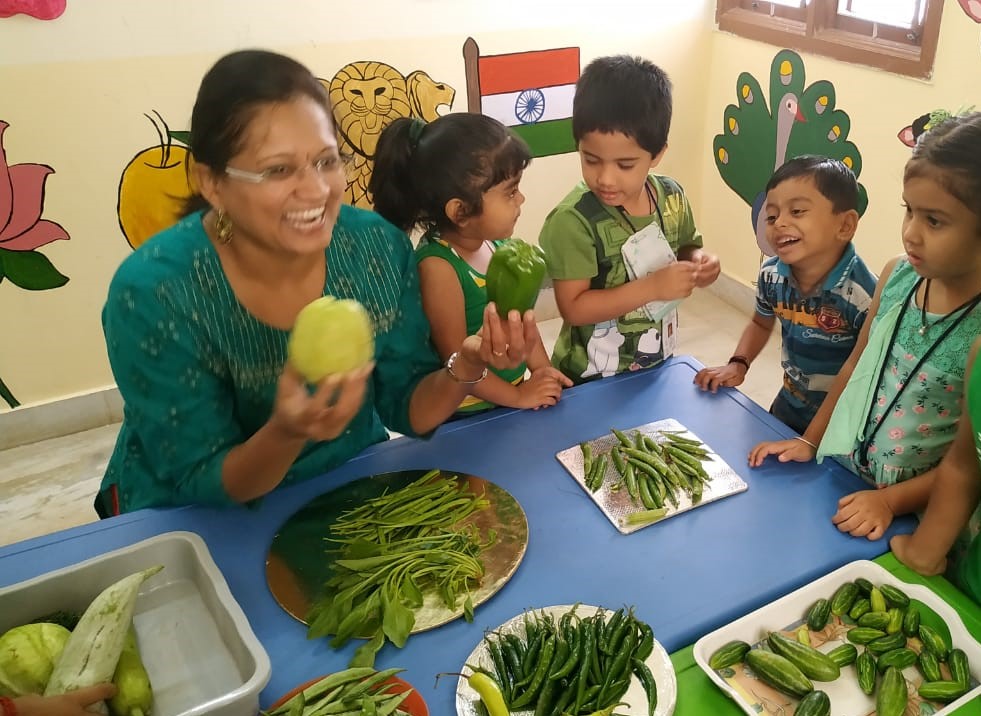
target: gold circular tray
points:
(299, 564)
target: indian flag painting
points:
(530, 92)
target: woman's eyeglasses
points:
(284, 172)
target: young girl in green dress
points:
(457, 178)
(893, 411)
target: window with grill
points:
(895, 35)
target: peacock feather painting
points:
(759, 136)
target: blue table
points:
(686, 575)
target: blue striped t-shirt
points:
(819, 330)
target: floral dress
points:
(917, 405)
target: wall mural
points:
(23, 232)
(530, 92)
(366, 97)
(972, 8)
(41, 9)
(757, 139)
(154, 185)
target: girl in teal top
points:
(197, 319)
(457, 179)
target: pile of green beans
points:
(653, 472)
(359, 691)
(574, 666)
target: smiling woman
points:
(197, 319)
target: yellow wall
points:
(74, 91)
(879, 104)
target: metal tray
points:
(788, 613)
(299, 563)
(616, 504)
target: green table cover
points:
(699, 696)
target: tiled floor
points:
(49, 485)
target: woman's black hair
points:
(950, 153)
(230, 94)
(420, 167)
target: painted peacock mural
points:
(758, 137)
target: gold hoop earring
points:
(223, 227)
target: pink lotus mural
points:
(41, 9)
(23, 232)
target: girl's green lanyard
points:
(862, 453)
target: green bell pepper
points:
(514, 276)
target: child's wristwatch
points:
(741, 360)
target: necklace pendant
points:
(922, 330)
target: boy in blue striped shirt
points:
(816, 285)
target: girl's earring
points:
(223, 227)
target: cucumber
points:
(803, 635)
(892, 695)
(865, 666)
(843, 599)
(728, 654)
(911, 622)
(860, 607)
(944, 691)
(895, 624)
(960, 670)
(928, 665)
(875, 620)
(864, 586)
(817, 615)
(778, 672)
(863, 635)
(887, 643)
(843, 655)
(815, 703)
(93, 649)
(933, 641)
(812, 663)
(900, 658)
(877, 601)
(895, 596)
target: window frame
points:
(820, 28)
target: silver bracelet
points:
(449, 369)
(806, 442)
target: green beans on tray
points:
(575, 665)
(653, 471)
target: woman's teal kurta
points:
(198, 373)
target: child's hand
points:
(864, 514)
(708, 267)
(541, 390)
(326, 413)
(785, 450)
(915, 557)
(723, 376)
(676, 280)
(73, 703)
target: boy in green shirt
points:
(622, 247)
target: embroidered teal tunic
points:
(198, 372)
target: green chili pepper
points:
(514, 276)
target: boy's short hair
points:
(835, 181)
(624, 94)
